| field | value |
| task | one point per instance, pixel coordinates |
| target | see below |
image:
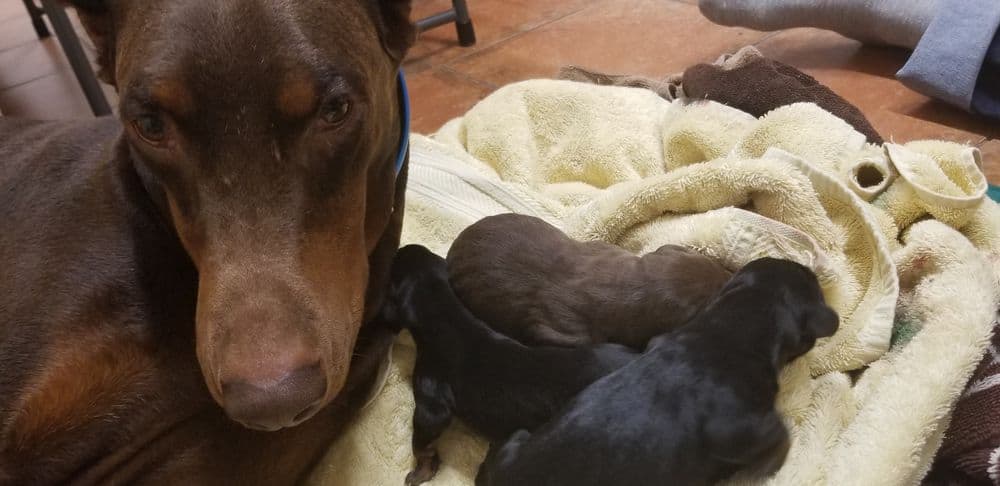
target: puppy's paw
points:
(427, 467)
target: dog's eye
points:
(336, 110)
(150, 128)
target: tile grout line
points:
(446, 67)
(32, 80)
(476, 81)
(11, 18)
(449, 68)
(449, 64)
(768, 36)
(15, 46)
(515, 35)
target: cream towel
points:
(625, 166)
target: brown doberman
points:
(186, 293)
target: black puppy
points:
(495, 384)
(695, 408)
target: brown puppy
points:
(530, 281)
(215, 252)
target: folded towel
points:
(773, 84)
(626, 166)
(726, 80)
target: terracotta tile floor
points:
(523, 39)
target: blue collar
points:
(404, 109)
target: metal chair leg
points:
(463, 24)
(459, 14)
(77, 58)
(36, 13)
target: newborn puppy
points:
(695, 408)
(529, 280)
(495, 384)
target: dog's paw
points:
(425, 470)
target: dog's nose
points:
(273, 404)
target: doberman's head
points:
(267, 132)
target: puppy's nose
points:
(275, 403)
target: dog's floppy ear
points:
(96, 17)
(822, 321)
(392, 17)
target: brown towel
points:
(745, 80)
(755, 84)
(970, 453)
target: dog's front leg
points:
(434, 403)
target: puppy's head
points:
(416, 271)
(801, 312)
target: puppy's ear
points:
(822, 321)
(397, 310)
(392, 17)
(97, 18)
(389, 314)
